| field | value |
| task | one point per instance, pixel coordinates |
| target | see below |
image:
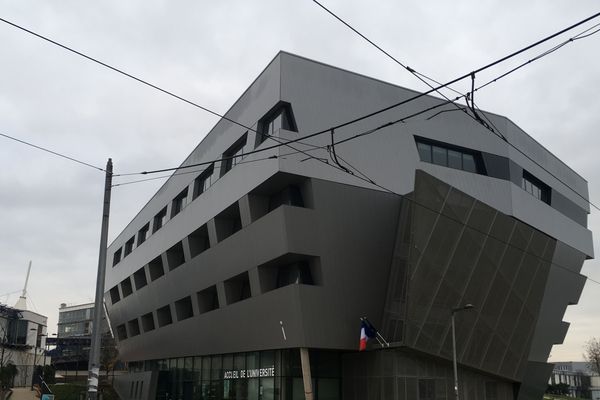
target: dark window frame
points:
(265, 124)
(229, 159)
(117, 256)
(128, 248)
(179, 202)
(159, 220)
(430, 151)
(200, 181)
(539, 189)
(143, 234)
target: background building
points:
(22, 341)
(235, 265)
(579, 378)
(72, 344)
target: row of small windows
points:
(305, 270)
(279, 117)
(450, 156)
(227, 223)
(469, 160)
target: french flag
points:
(366, 332)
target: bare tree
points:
(592, 355)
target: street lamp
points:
(454, 311)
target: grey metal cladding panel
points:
(353, 231)
(262, 241)
(529, 146)
(564, 286)
(469, 253)
(568, 257)
(496, 166)
(356, 229)
(262, 94)
(535, 381)
(226, 191)
(570, 209)
(550, 221)
(249, 325)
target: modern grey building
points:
(235, 265)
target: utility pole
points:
(94, 363)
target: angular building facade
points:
(235, 265)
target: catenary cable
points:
(436, 89)
(51, 152)
(496, 62)
(414, 72)
(120, 71)
(581, 35)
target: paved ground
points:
(23, 394)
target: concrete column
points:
(221, 294)
(211, 226)
(187, 253)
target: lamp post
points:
(454, 311)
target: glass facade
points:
(261, 375)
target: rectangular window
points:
(208, 299)
(203, 181)
(143, 234)
(535, 187)
(278, 117)
(233, 155)
(126, 287)
(179, 202)
(163, 316)
(148, 322)
(450, 156)
(117, 257)
(114, 294)
(128, 247)
(121, 332)
(424, 151)
(440, 156)
(155, 267)
(183, 308)
(455, 159)
(134, 327)
(139, 278)
(159, 220)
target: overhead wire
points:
(350, 122)
(120, 71)
(344, 124)
(485, 121)
(414, 72)
(361, 175)
(51, 152)
(581, 35)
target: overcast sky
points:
(209, 52)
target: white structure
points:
(22, 341)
